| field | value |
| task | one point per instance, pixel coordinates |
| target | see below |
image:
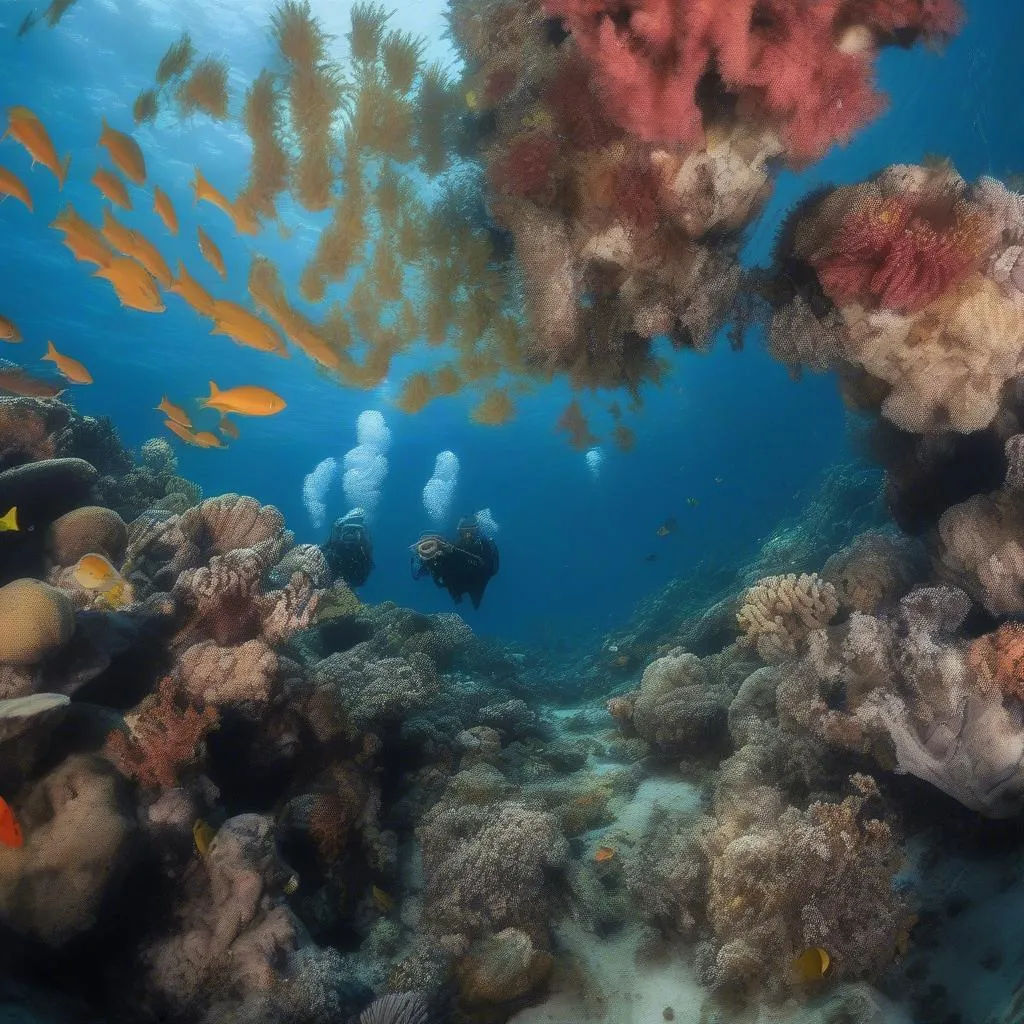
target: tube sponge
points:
(440, 488)
(314, 491)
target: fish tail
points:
(51, 352)
(10, 520)
(62, 174)
(196, 182)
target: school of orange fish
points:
(135, 269)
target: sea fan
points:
(396, 1008)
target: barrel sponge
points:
(91, 528)
(35, 620)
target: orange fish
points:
(133, 285)
(165, 210)
(246, 328)
(183, 432)
(246, 400)
(112, 187)
(207, 440)
(94, 572)
(12, 185)
(10, 831)
(228, 428)
(143, 250)
(305, 336)
(125, 152)
(240, 215)
(604, 853)
(19, 382)
(192, 291)
(131, 243)
(84, 241)
(174, 412)
(211, 253)
(246, 221)
(70, 369)
(26, 128)
(9, 331)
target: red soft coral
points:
(893, 253)
(785, 62)
(165, 738)
(524, 168)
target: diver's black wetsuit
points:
(464, 566)
(349, 550)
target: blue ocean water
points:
(574, 547)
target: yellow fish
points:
(112, 187)
(188, 288)
(133, 285)
(246, 328)
(164, 209)
(125, 152)
(811, 964)
(12, 185)
(70, 369)
(94, 572)
(174, 412)
(26, 128)
(203, 835)
(9, 331)
(291, 885)
(247, 400)
(9, 521)
(211, 253)
(381, 899)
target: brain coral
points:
(778, 612)
(35, 620)
(91, 528)
(680, 708)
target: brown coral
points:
(91, 528)
(213, 675)
(778, 612)
(998, 658)
(36, 620)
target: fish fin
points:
(50, 351)
(10, 520)
(214, 390)
(62, 175)
(196, 182)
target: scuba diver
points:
(462, 566)
(349, 551)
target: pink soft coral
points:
(786, 62)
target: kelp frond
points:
(368, 21)
(299, 36)
(401, 53)
(176, 60)
(205, 89)
(146, 106)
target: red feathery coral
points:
(890, 252)
(524, 169)
(164, 740)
